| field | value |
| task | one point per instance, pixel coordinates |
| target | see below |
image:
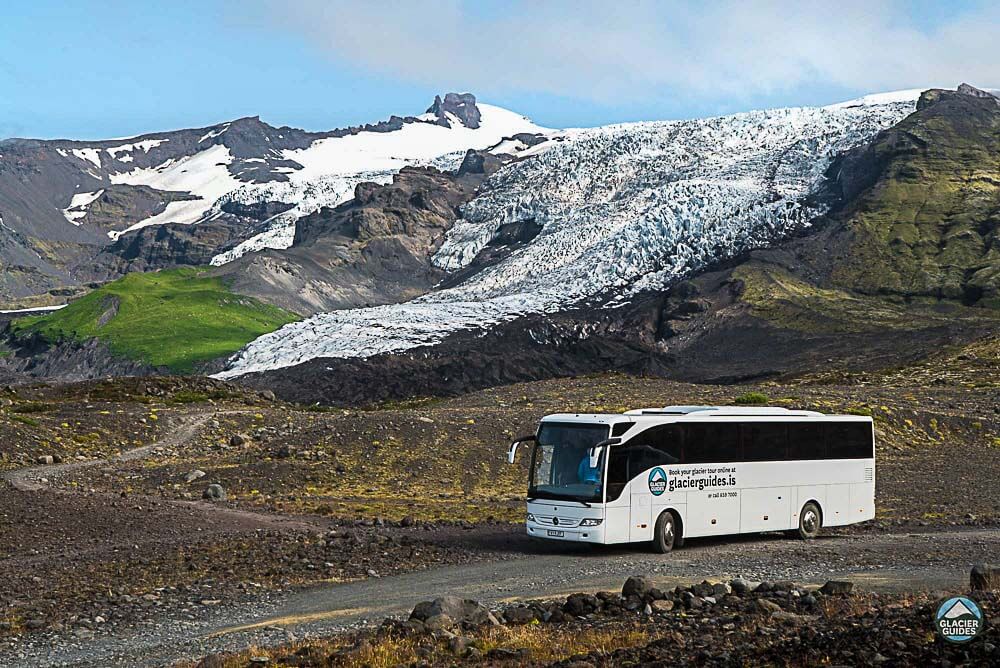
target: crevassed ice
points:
(623, 208)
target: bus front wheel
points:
(666, 533)
(810, 521)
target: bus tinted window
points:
(849, 440)
(806, 441)
(657, 446)
(706, 442)
(765, 441)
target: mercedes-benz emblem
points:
(555, 521)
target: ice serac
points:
(621, 209)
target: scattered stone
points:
(739, 586)
(214, 492)
(836, 588)
(766, 606)
(439, 622)
(462, 611)
(46, 460)
(194, 475)
(663, 605)
(637, 585)
(984, 577)
(236, 440)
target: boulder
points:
(766, 606)
(194, 475)
(637, 585)
(440, 622)
(662, 605)
(236, 440)
(46, 459)
(214, 492)
(836, 588)
(739, 586)
(581, 604)
(520, 614)
(984, 577)
(462, 611)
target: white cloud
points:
(638, 50)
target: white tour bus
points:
(666, 474)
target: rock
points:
(194, 475)
(790, 617)
(407, 522)
(520, 614)
(836, 588)
(268, 395)
(34, 624)
(739, 586)
(462, 611)
(662, 605)
(236, 440)
(581, 604)
(763, 587)
(214, 492)
(984, 577)
(648, 610)
(460, 645)
(439, 622)
(637, 585)
(721, 589)
(766, 606)
(46, 460)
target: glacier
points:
(623, 209)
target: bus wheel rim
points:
(809, 521)
(668, 531)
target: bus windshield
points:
(560, 465)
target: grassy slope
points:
(175, 319)
(930, 226)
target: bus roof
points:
(687, 413)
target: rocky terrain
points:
(731, 623)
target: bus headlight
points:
(531, 518)
(589, 522)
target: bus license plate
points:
(556, 534)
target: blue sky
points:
(81, 69)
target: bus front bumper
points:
(575, 534)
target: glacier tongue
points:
(623, 208)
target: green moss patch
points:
(175, 319)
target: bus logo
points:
(657, 481)
(959, 619)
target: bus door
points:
(640, 513)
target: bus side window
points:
(706, 443)
(765, 442)
(806, 441)
(849, 440)
(618, 472)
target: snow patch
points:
(77, 208)
(204, 174)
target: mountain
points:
(856, 236)
(75, 212)
(864, 241)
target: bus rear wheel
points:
(666, 533)
(810, 521)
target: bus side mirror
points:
(513, 446)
